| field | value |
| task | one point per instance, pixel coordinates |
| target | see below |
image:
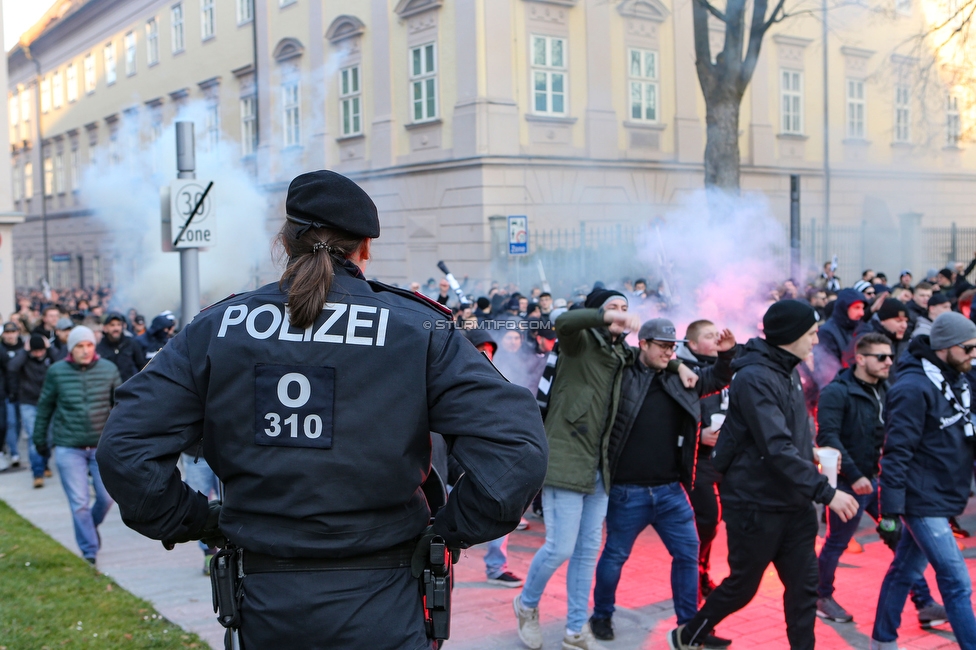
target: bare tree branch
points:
(713, 10)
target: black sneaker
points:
(828, 608)
(712, 642)
(507, 579)
(602, 628)
(932, 615)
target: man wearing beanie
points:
(75, 401)
(771, 481)
(891, 321)
(926, 469)
(938, 304)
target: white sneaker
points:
(582, 641)
(885, 645)
(3, 462)
(528, 624)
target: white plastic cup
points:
(717, 421)
(828, 464)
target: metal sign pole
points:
(189, 257)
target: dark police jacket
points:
(637, 379)
(768, 428)
(927, 463)
(322, 436)
(848, 420)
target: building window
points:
(245, 11)
(953, 123)
(212, 126)
(18, 183)
(156, 135)
(72, 80)
(176, 14)
(59, 174)
(114, 154)
(903, 114)
(28, 180)
(249, 134)
(291, 93)
(350, 101)
(57, 89)
(48, 176)
(89, 73)
(423, 82)
(855, 108)
(549, 75)
(25, 115)
(791, 91)
(152, 41)
(130, 54)
(110, 63)
(73, 163)
(45, 94)
(13, 110)
(207, 19)
(643, 85)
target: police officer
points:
(314, 398)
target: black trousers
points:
(315, 610)
(708, 509)
(756, 539)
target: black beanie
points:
(787, 320)
(483, 303)
(938, 298)
(598, 297)
(892, 308)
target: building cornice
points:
(344, 28)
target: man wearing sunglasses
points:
(850, 418)
(891, 321)
(926, 469)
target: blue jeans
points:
(13, 430)
(574, 530)
(632, 509)
(75, 464)
(496, 557)
(28, 414)
(839, 534)
(201, 478)
(924, 540)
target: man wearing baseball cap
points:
(651, 452)
(771, 481)
(926, 469)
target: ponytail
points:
(308, 276)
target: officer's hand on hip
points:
(421, 554)
(209, 534)
(890, 529)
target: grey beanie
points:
(79, 334)
(951, 328)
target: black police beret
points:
(327, 199)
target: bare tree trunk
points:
(722, 143)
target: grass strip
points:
(51, 599)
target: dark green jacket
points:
(77, 399)
(585, 393)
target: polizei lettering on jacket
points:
(346, 324)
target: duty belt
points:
(395, 557)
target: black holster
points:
(226, 582)
(437, 581)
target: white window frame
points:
(178, 29)
(953, 121)
(245, 11)
(130, 53)
(71, 82)
(423, 83)
(110, 71)
(13, 109)
(59, 184)
(552, 73)
(791, 101)
(856, 115)
(46, 95)
(903, 113)
(285, 3)
(351, 100)
(643, 85)
(152, 41)
(17, 182)
(291, 113)
(57, 89)
(91, 78)
(48, 176)
(75, 174)
(28, 180)
(248, 125)
(208, 19)
(212, 126)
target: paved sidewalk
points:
(483, 618)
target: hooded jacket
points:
(832, 352)
(155, 338)
(848, 420)
(772, 466)
(636, 382)
(927, 464)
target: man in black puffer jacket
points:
(770, 481)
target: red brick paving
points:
(484, 620)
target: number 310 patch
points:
(294, 406)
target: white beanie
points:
(79, 334)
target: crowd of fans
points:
(647, 419)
